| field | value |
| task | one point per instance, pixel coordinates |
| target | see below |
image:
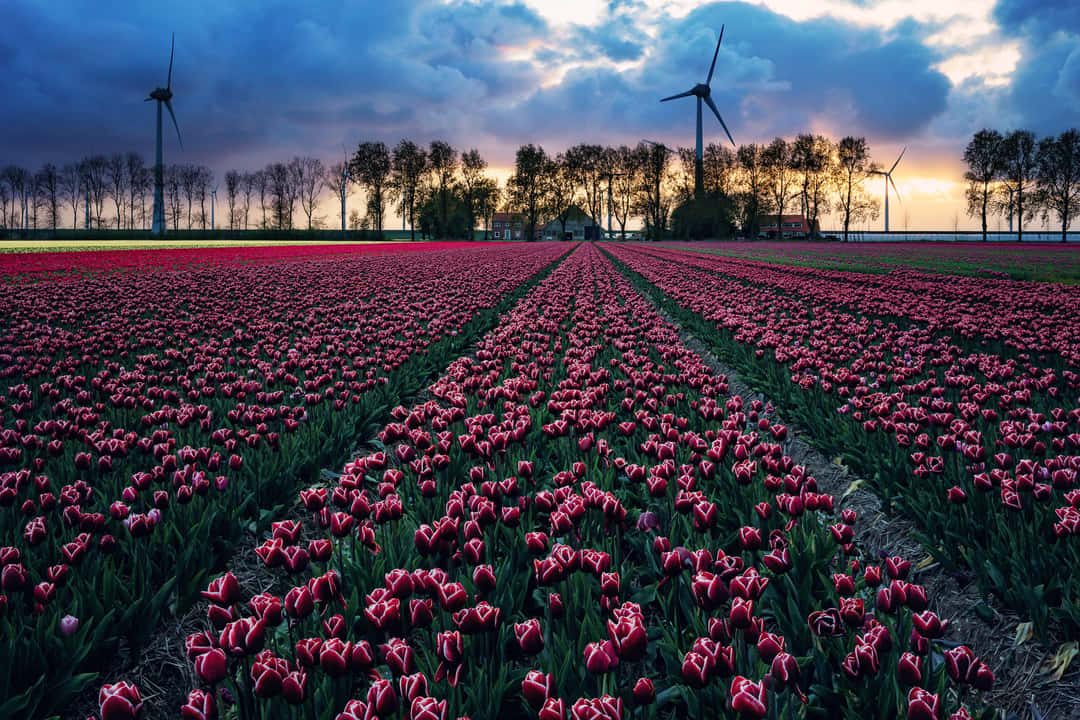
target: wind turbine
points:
(213, 201)
(704, 94)
(345, 177)
(888, 182)
(163, 95)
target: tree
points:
(95, 169)
(983, 158)
(139, 180)
(173, 179)
(408, 165)
(48, 184)
(486, 196)
(777, 161)
(590, 168)
(753, 190)
(1018, 171)
(473, 182)
(371, 167)
(116, 177)
(562, 179)
(684, 174)
(652, 201)
(719, 165)
(233, 182)
(337, 182)
(853, 168)
(18, 181)
(528, 186)
(247, 191)
(628, 164)
(260, 187)
(1058, 177)
(282, 196)
(813, 157)
(310, 179)
(442, 163)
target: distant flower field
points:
(433, 481)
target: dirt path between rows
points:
(1020, 689)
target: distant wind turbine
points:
(213, 201)
(163, 95)
(704, 94)
(888, 182)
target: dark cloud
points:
(1044, 94)
(774, 76)
(260, 80)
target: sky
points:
(262, 80)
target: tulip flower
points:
(200, 705)
(748, 698)
(529, 636)
(211, 666)
(644, 693)
(553, 709)
(119, 701)
(923, 705)
(536, 688)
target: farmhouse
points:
(508, 226)
(579, 226)
(794, 226)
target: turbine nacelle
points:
(701, 90)
(161, 94)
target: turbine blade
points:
(715, 53)
(894, 186)
(168, 106)
(898, 160)
(712, 106)
(148, 99)
(688, 93)
(168, 84)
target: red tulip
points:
(536, 688)
(119, 701)
(211, 666)
(529, 636)
(224, 590)
(923, 705)
(199, 706)
(600, 657)
(748, 698)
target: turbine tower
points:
(888, 182)
(345, 177)
(163, 95)
(213, 201)
(704, 94)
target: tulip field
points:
(442, 481)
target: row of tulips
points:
(997, 260)
(577, 523)
(150, 417)
(981, 448)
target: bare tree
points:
(562, 182)
(18, 180)
(653, 202)
(626, 182)
(204, 179)
(71, 189)
(247, 191)
(528, 186)
(48, 184)
(139, 183)
(371, 166)
(983, 158)
(260, 184)
(116, 182)
(854, 166)
(813, 157)
(719, 165)
(753, 195)
(683, 174)
(780, 177)
(586, 163)
(1058, 177)
(95, 169)
(408, 165)
(279, 181)
(233, 181)
(1019, 168)
(338, 182)
(310, 176)
(174, 182)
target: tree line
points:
(1018, 175)
(810, 174)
